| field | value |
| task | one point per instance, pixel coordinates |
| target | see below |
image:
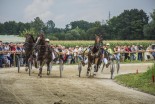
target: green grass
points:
(142, 81)
(113, 43)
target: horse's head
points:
(98, 38)
(29, 38)
(42, 36)
(40, 39)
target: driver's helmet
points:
(47, 40)
(107, 44)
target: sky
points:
(63, 12)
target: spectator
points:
(1, 55)
(7, 59)
(6, 47)
(127, 50)
(147, 54)
(7, 56)
(153, 51)
(140, 49)
(12, 47)
(132, 54)
(73, 58)
(69, 56)
(75, 52)
(117, 51)
(122, 50)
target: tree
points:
(38, 24)
(50, 26)
(128, 25)
(2, 28)
(81, 24)
(20, 27)
(149, 29)
(10, 28)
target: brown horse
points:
(95, 55)
(44, 54)
(28, 47)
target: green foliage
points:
(38, 25)
(81, 24)
(141, 81)
(50, 26)
(149, 29)
(28, 31)
(149, 73)
(145, 43)
(129, 25)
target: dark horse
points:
(95, 55)
(44, 54)
(28, 47)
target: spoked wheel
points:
(61, 67)
(90, 72)
(103, 67)
(49, 70)
(94, 71)
(80, 68)
(112, 68)
(30, 67)
(18, 64)
(118, 66)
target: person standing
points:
(140, 49)
(1, 55)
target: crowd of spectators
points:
(7, 50)
(130, 52)
(71, 55)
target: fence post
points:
(14, 59)
(143, 56)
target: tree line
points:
(131, 24)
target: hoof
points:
(94, 74)
(87, 73)
(40, 75)
(48, 72)
(26, 69)
(83, 63)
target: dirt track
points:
(19, 88)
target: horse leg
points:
(48, 68)
(26, 62)
(89, 66)
(35, 63)
(40, 69)
(96, 66)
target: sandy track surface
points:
(19, 88)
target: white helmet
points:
(47, 40)
(108, 44)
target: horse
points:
(95, 56)
(44, 54)
(28, 47)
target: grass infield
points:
(142, 81)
